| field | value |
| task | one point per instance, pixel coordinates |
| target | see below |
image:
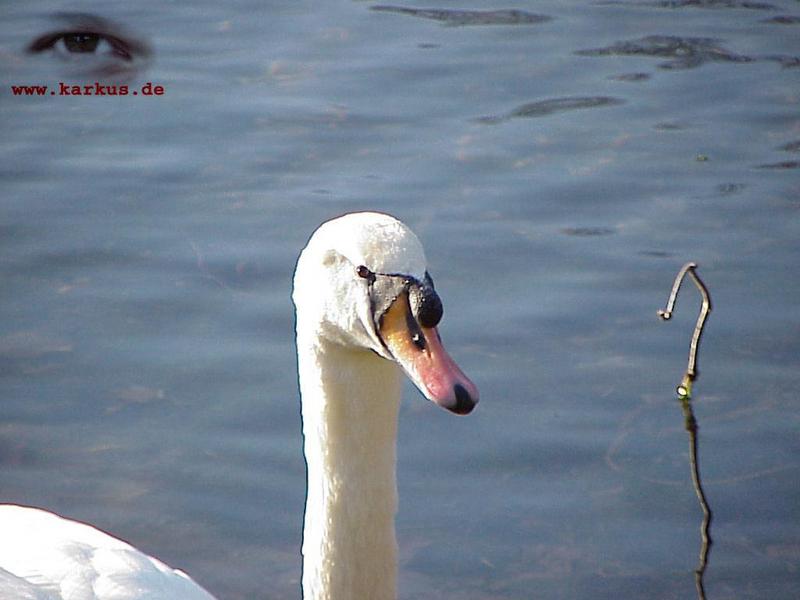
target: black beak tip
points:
(464, 402)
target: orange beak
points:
(420, 353)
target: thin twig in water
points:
(666, 314)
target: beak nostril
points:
(464, 402)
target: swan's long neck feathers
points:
(350, 405)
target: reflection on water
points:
(705, 526)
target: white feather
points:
(44, 556)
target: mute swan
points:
(366, 309)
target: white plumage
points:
(44, 556)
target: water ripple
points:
(685, 52)
(551, 106)
(783, 20)
(720, 4)
(730, 189)
(630, 77)
(787, 164)
(457, 18)
(588, 231)
(791, 146)
(787, 62)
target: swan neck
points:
(350, 405)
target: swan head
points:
(362, 283)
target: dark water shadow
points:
(461, 18)
(782, 165)
(588, 231)
(544, 108)
(630, 77)
(783, 20)
(705, 4)
(684, 52)
(791, 147)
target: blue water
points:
(559, 160)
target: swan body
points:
(366, 312)
(46, 557)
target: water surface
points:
(560, 162)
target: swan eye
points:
(365, 273)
